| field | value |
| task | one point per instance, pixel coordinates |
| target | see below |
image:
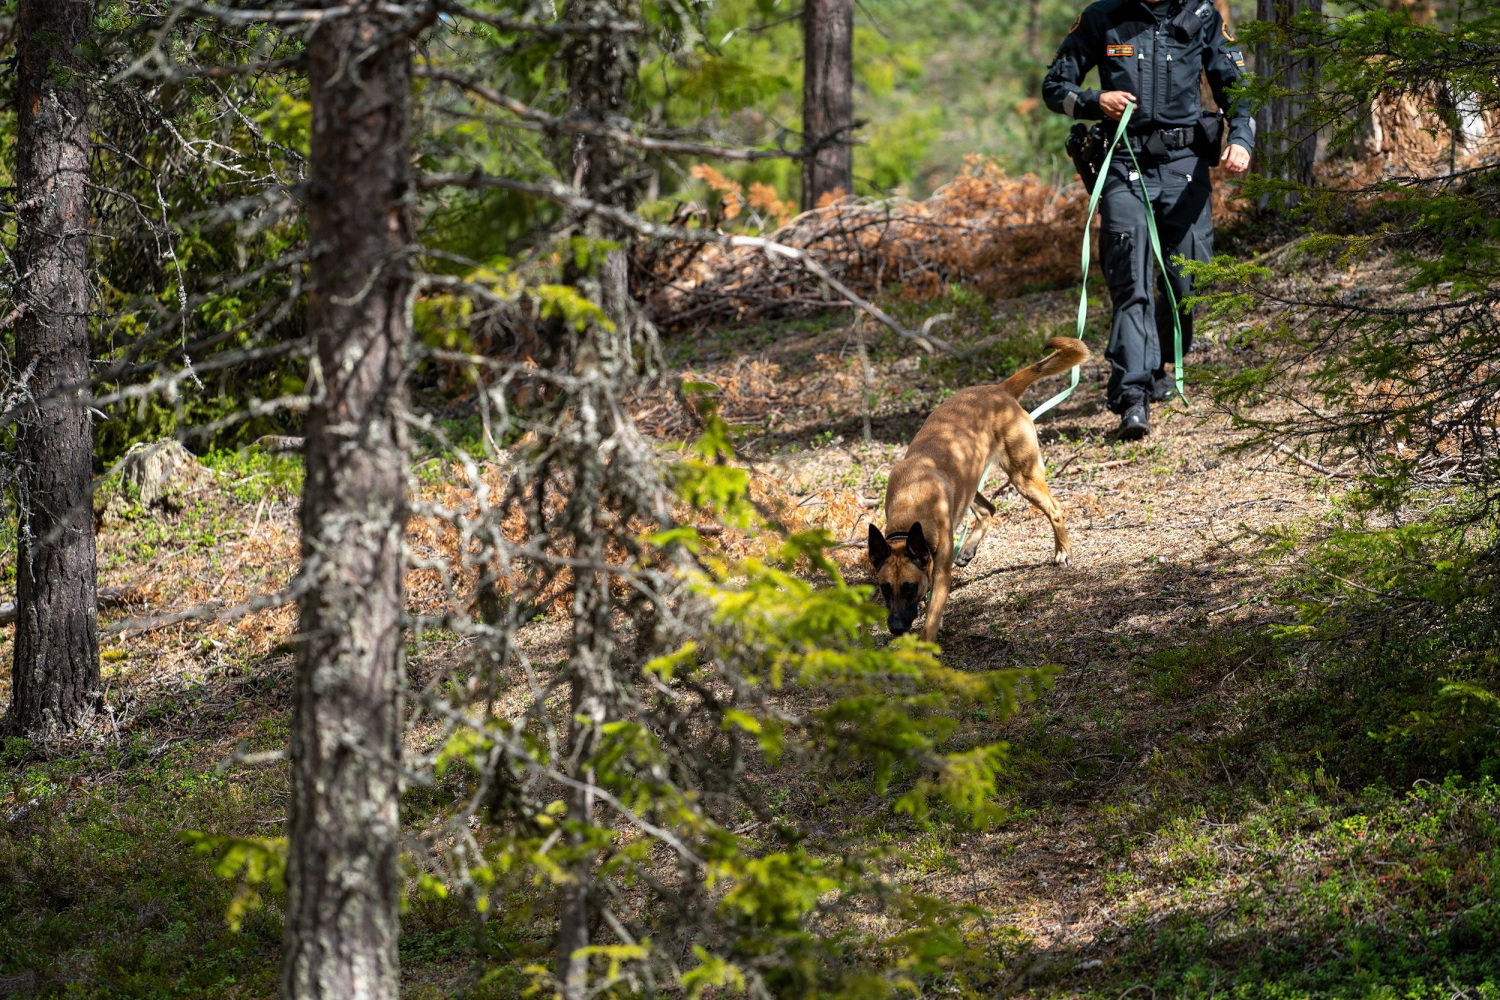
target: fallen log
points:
(108, 597)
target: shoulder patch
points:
(1224, 29)
(1114, 51)
(1076, 24)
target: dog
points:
(939, 478)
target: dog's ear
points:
(917, 549)
(880, 549)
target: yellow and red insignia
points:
(1119, 50)
(1224, 28)
(1076, 24)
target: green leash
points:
(1083, 292)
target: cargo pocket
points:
(1203, 246)
(1119, 264)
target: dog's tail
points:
(1066, 352)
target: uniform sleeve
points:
(1225, 65)
(1061, 90)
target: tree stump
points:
(161, 472)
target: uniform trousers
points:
(1140, 327)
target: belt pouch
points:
(1078, 140)
(1208, 137)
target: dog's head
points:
(903, 571)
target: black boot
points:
(1163, 388)
(1135, 421)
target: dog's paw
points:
(965, 557)
(1060, 559)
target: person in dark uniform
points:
(1152, 53)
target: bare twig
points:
(576, 126)
(1309, 463)
(210, 612)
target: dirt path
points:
(1157, 627)
(1150, 623)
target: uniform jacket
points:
(1159, 63)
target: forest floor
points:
(1187, 816)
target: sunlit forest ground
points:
(1200, 805)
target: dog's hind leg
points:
(1032, 484)
(984, 516)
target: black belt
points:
(1171, 138)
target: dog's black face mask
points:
(902, 572)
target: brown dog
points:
(939, 479)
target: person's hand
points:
(1236, 159)
(1112, 102)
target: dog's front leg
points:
(942, 579)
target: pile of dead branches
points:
(988, 232)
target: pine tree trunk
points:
(1286, 149)
(596, 700)
(343, 879)
(602, 73)
(56, 667)
(827, 99)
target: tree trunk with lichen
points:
(56, 665)
(827, 100)
(602, 70)
(1285, 149)
(343, 878)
